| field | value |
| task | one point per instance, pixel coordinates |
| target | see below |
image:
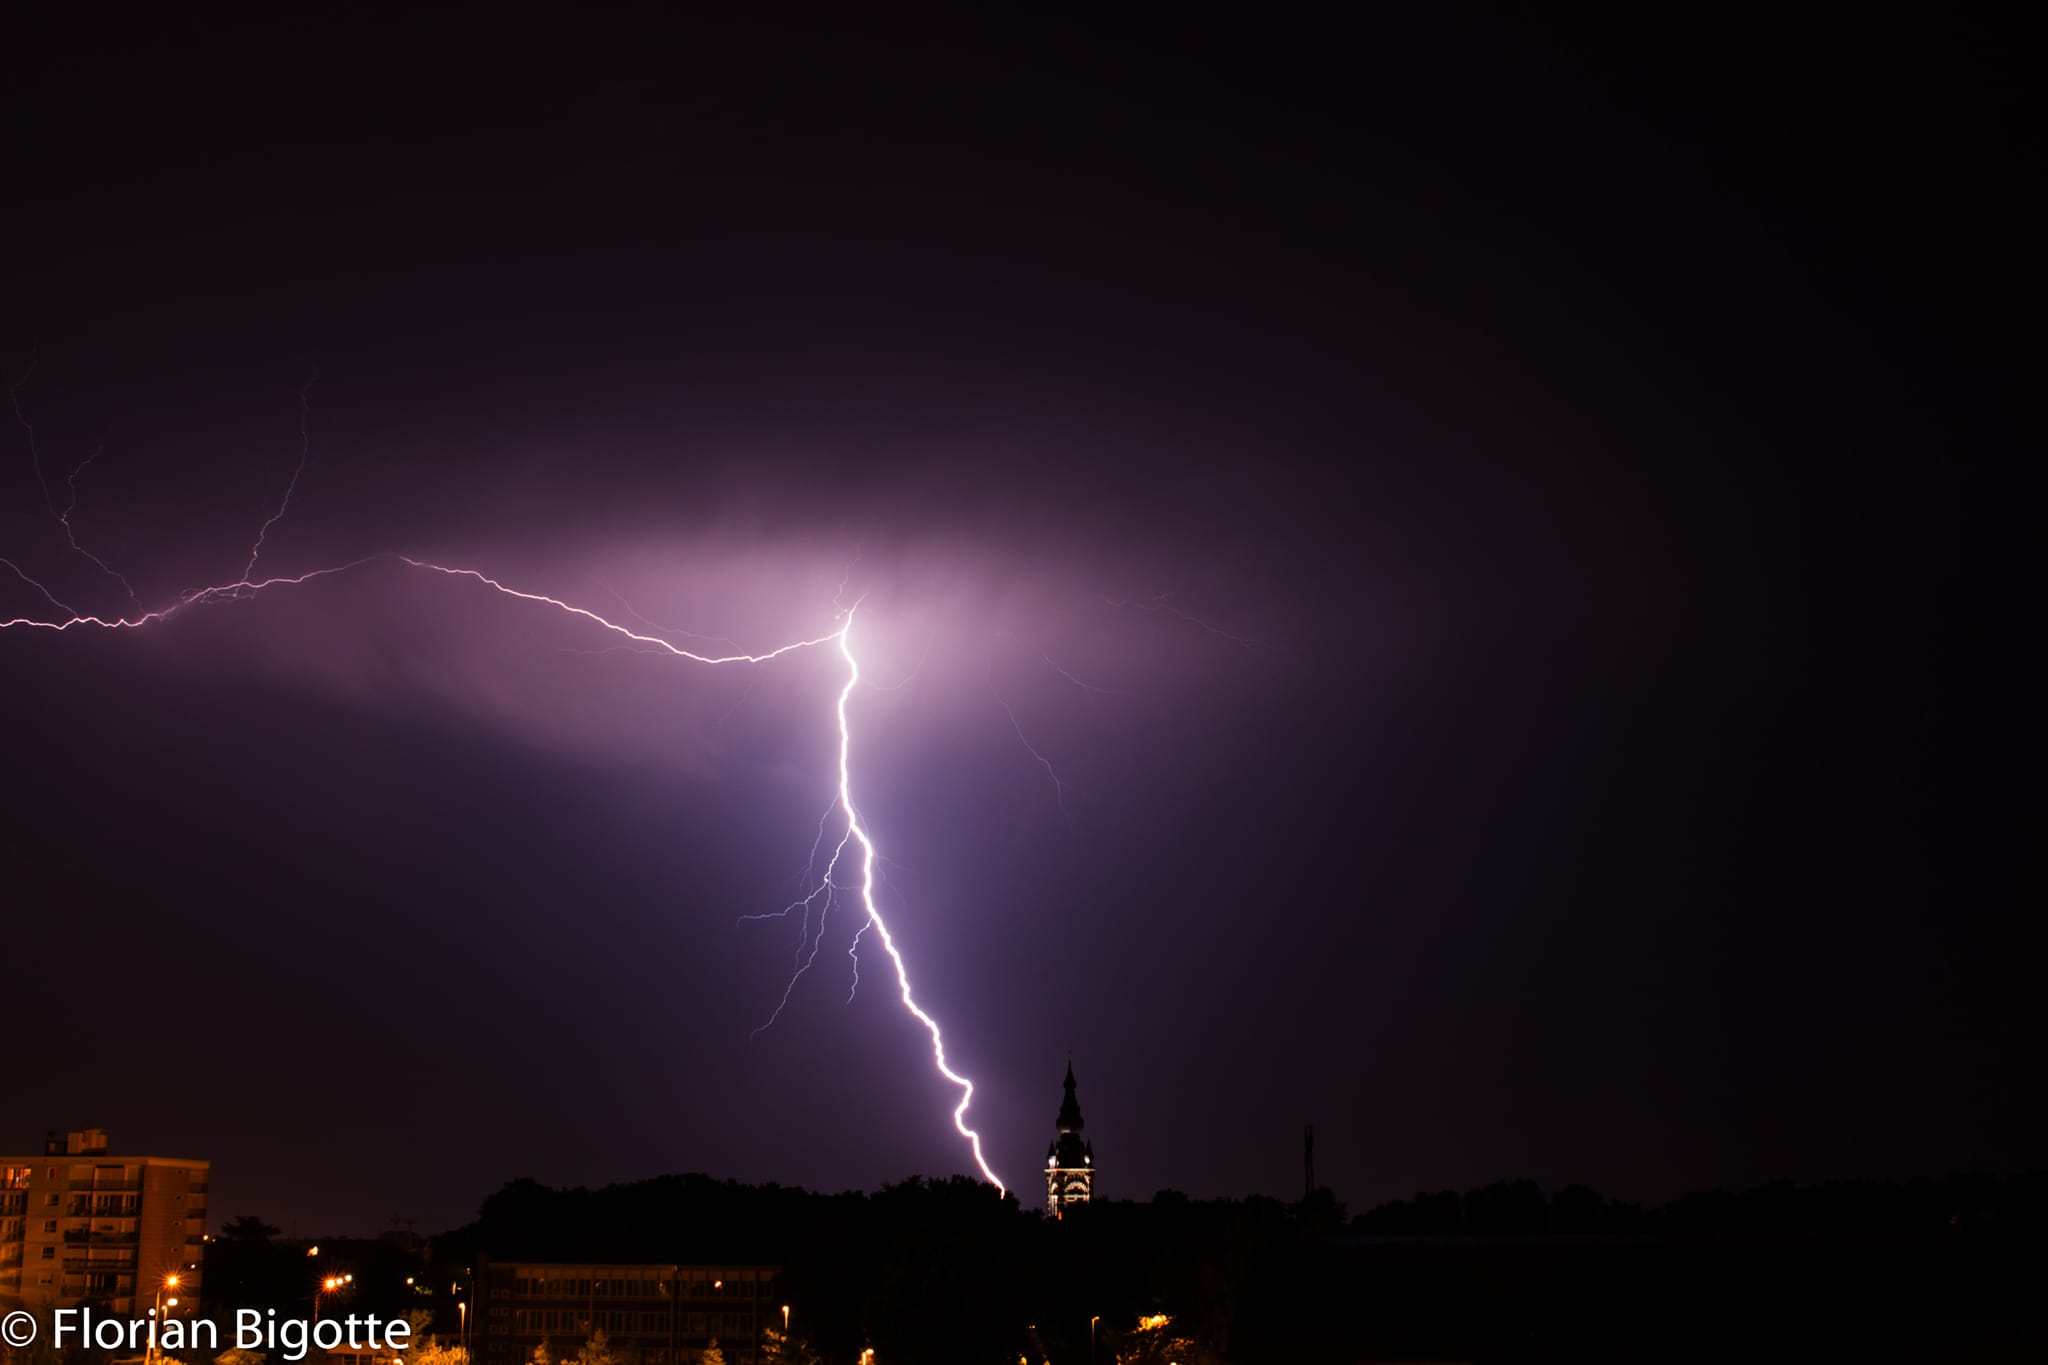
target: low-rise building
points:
(650, 1314)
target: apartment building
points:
(80, 1225)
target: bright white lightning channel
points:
(867, 895)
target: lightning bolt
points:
(1164, 603)
(853, 956)
(828, 887)
(22, 574)
(1082, 683)
(62, 518)
(1059, 786)
(284, 503)
(70, 534)
(855, 831)
(35, 455)
(859, 833)
(627, 607)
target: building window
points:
(49, 1253)
(50, 1201)
(49, 1225)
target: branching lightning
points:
(627, 607)
(1164, 603)
(63, 518)
(1086, 686)
(853, 955)
(71, 532)
(22, 574)
(35, 453)
(1059, 785)
(826, 886)
(854, 831)
(284, 503)
(854, 861)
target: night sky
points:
(1571, 711)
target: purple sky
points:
(1607, 441)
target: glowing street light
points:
(330, 1285)
(156, 1313)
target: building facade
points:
(650, 1314)
(1070, 1160)
(81, 1226)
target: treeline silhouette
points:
(1973, 1198)
(947, 1271)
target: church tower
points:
(1069, 1162)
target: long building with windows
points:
(650, 1314)
(79, 1225)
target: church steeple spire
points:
(1070, 1160)
(1070, 1108)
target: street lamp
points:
(785, 1319)
(156, 1314)
(326, 1286)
